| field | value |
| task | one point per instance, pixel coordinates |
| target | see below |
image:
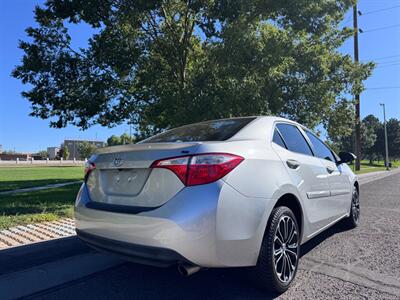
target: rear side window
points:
(217, 130)
(321, 150)
(277, 139)
(293, 139)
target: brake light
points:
(89, 167)
(178, 165)
(201, 168)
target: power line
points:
(383, 88)
(390, 65)
(377, 1)
(347, 20)
(379, 28)
(382, 57)
(388, 62)
(379, 10)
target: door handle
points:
(293, 164)
(330, 169)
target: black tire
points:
(265, 273)
(354, 218)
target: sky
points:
(380, 42)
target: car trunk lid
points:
(123, 175)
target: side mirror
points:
(346, 157)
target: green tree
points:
(127, 139)
(393, 133)
(345, 142)
(372, 122)
(369, 138)
(120, 140)
(86, 149)
(340, 125)
(42, 154)
(372, 139)
(161, 64)
(65, 153)
(114, 140)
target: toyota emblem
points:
(118, 161)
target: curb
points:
(369, 177)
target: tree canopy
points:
(65, 152)
(43, 154)
(373, 139)
(159, 64)
(86, 149)
(120, 140)
(114, 140)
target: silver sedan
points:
(239, 192)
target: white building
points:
(52, 152)
(73, 146)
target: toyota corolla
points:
(239, 192)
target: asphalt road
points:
(339, 264)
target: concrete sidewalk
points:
(369, 177)
(39, 188)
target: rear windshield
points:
(217, 130)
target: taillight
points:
(200, 169)
(89, 167)
(178, 165)
(208, 168)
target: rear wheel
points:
(354, 218)
(280, 250)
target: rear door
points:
(339, 184)
(307, 172)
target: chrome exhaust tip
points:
(187, 269)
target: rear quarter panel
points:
(246, 200)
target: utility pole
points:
(130, 133)
(357, 141)
(386, 141)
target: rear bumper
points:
(146, 255)
(208, 225)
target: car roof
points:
(257, 128)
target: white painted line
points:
(26, 282)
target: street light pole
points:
(386, 141)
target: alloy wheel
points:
(286, 249)
(355, 207)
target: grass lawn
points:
(366, 167)
(39, 206)
(23, 177)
